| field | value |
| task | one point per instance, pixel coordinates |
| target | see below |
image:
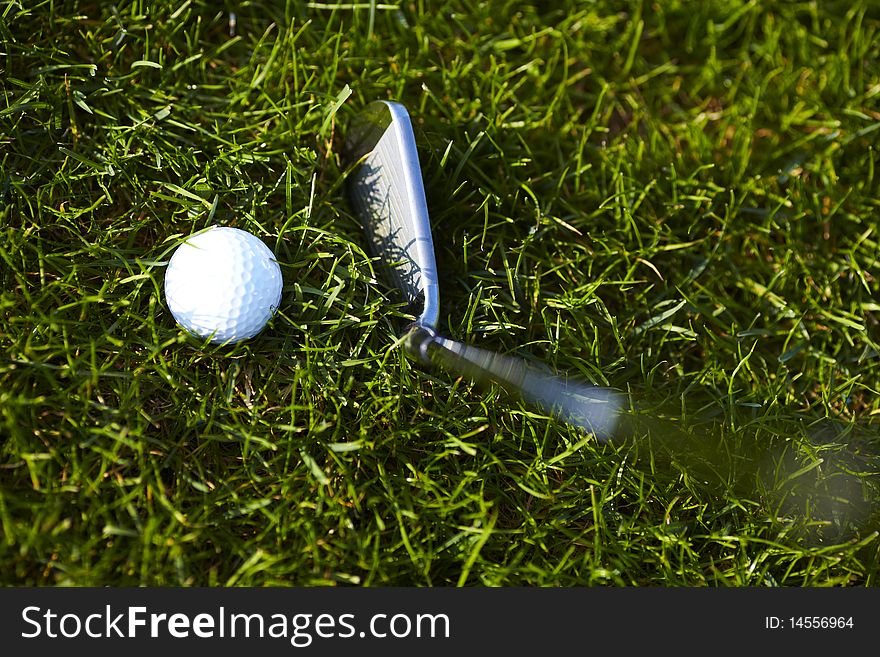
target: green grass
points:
(678, 202)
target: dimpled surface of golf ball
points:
(223, 284)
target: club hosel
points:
(417, 340)
(423, 345)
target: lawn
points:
(675, 199)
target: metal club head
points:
(386, 191)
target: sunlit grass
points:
(679, 202)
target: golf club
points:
(385, 189)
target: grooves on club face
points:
(386, 191)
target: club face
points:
(387, 193)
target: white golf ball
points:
(223, 284)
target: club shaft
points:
(592, 408)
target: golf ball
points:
(223, 284)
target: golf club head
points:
(386, 191)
